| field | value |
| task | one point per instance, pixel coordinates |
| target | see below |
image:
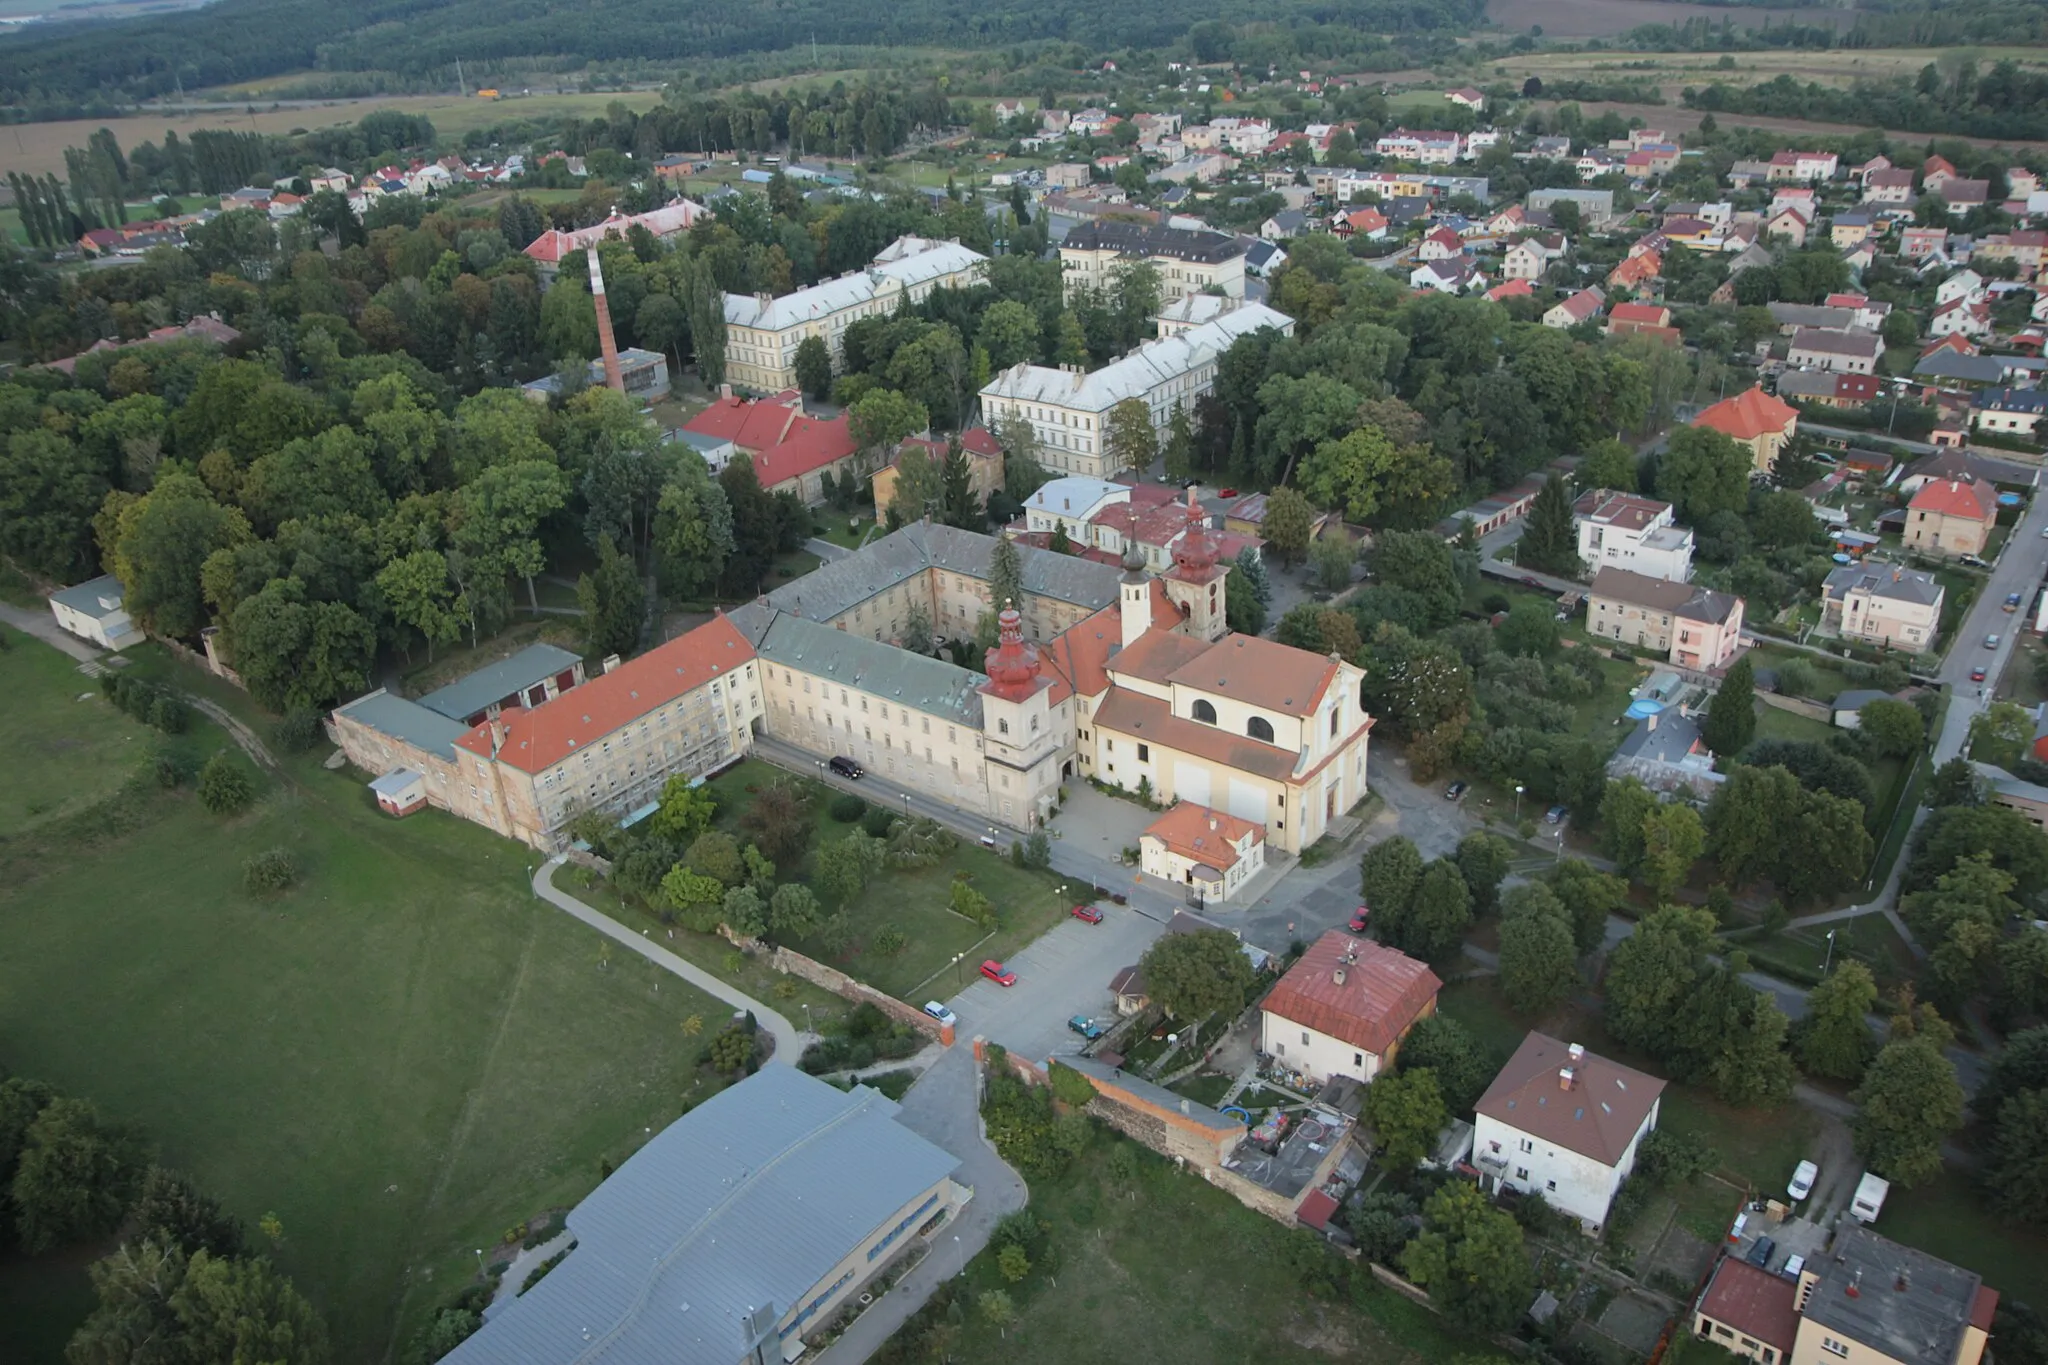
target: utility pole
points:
(460, 83)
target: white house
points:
(1200, 849)
(1965, 284)
(92, 611)
(1626, 531)
(1530, 257)
(1344, 1006)
(1563, 1123)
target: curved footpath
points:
(789, 1041)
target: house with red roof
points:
(1755, 419)
(1636, 275)
(1344, 1007)
(1951, 517)
(1513, 289)
(1748, 1311)
(1209, 853)
(792, 451)
(1442, 244)
(1642, 319)
(1581, 306)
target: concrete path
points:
(789, 1040)
(524, 1264)
(944, 1108)
(44, 627)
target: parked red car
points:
(998, 973)
(1089, 913)
(1226, 493)
(1359, 917)
(1977, 674)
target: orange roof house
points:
(1951, 517)
(1211, 851)
(790, 449)
(1755, 419)
(1635, 273)
(1653, 318)
(1345, 1006)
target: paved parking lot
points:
(1066, 972)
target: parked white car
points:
(940, 1013)
(1802, 1180)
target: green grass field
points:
(1169, 1268)
(400, 1058)
(66, 753)
(1027, 903)
(1949, 1218)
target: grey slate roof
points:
(406, 721)
(1975, 369)
(84, 598)
(932, 686)
(832, 589)
(740, 1208)
(1884, 580)
(1146, 239)
(465, 697)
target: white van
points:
(1870, 1193)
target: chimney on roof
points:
(725, 390)
(1855, 1287)
(1212, 824)
(1565, 1077)
(611, 661)
(1578, 1053)
(497, 735)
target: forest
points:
(244, 40)
(2002, 102)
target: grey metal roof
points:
(737, 1210)
(84, 598)
(394, 782)
(465, 697)
(833, 589)
(1156, 1095)
(1146, 239)
(406, 721)
(1903, 1304)
(1979, 369)
(1885, 580)
(917, 681)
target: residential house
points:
(1425, 147)
(791, 450)
(1790, 223)
(1922, 243)
(1888, 188)
(1935, 172)
(1629, 531)
(1513, 289)
(1343, 1008)
(1651, 320)
(1857, 1297)
(1829, 389)
(1848, 229)
(2028, 798)
(2025, 248)
(94, 611)
(548, 250)
(1951, 517)
(1529, 258)
(1883, 604)
(1806, 166)
(1068, 409)
(1695, 627)
(1825, 349)
(2013, 412)
(1440, 244)
(702, 1250)
(1580, 307)
(1755, 419)
(1866, 312)
(1367, 222)
(1189, 261)
(1666, 753)
(1466, 96)
(1596, 207)
(1206, 853)
(1635, 275)
(1447, 277)
(1962, 317)
(984, 468)
(1283, 225)
(1961, 196)
(1564, 1123)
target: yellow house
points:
(1951, 517)
(1755, 419)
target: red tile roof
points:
(538, 738)
(1262, 673)
(1641, 314)
(1513, 289)
(1316, 1209)
(1382, 991)
(1748, 415)
(1598, 1117)
(1954, 498)
(1753, 1302)
(784, 442)
(1206, 836)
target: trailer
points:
(1870, 1193)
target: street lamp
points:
(906, 804)
(1518, 801)
(1831, 954)
(958, 980)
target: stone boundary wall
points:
(840, 984)
(1799, 706)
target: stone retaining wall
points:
(846, 988)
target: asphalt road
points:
(2018, 570)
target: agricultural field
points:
(1605, 18)
(400, 1057)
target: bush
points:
(268, 872)
(298, 731)
(876, 821)
(169, 715)
(170, 769)
(225, 786)
(847, 808)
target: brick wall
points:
(845, 987)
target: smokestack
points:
(1338, 976)
(1565, 1078)
(614, 379)
(1578, 1053)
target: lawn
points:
(1759, 1146)
(1148, 1269)
(1947, 1217)
(400, 1058)
(1775, 723)
(845, 530)
(1027, 903)
(67, 747)
(1797, 954)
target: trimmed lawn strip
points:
(67, 747)
(1759, 1146)
(401, 1057)
(1796, 955)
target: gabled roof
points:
(1824, 341)
(1747, 415)
(1646, 314)
(1582, 305)
(784, 442)
(1259, 672)
(539, 737)
(468, 695)
(1598, 1117)
(1355, 990)
(1754, 1302)
(1206, 836)
(1661, 594)
(1956, 498)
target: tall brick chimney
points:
(614, 379)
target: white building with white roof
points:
(762, 332)
(1068, 407)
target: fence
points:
(860, 993)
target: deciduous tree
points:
(1193, 976)
(1289, 518)
(1834, 1038)
(1471, 1259)
(1537, 955)
(1406, 1111)
(1908, 1103)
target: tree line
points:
(2003, 102)
(184, 1283)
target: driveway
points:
(1064, 973)
(44, 627)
